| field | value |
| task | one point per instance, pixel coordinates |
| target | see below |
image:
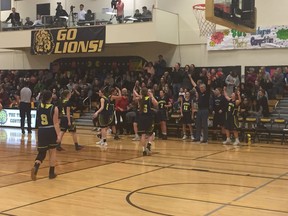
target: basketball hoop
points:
(206, 27)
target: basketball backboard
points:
(234, 14)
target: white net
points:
(206, 27)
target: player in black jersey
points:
(67, 121)
(231, 119)
(105, 117)
(219, 108)
(48, 134)
(115, 94)
(186, 114)
(163, 105)
(146, 119)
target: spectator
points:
(146, 14)
(232, 81)
(262, 104)
(177, 79)
(61, 16)
(28, 22)
(4, 97)
(160, 66)
(137, 16)
(278, 82)
(120, 11)
(186, 83)
(81, 14)
(265, 80)
(121, 111)
(14, 17)
(149, 68)
(38, 21)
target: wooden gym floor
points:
(180, 178)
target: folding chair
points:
(263, 129)
(277, 129)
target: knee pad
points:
(41, 156)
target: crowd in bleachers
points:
(259, 86)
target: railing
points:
(89, 102)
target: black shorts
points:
(161, 115)
(105, 119)
(218, 120)
(64, 125)
(146, 124)
(231, 123)
(113, 121)
(47, 138)
(187, 118)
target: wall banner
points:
(11, 118)
(263, 38)
(68, 40)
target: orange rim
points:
(199, 7)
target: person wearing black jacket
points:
(262, 104)
(177, 79)
(14, 17)
(203, 108)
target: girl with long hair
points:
(67, 121)
(146, 119)
(105, 117)
(231, 120)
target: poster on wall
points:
(263, 38)
(11, 118)
(68, 40)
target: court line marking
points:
(7, 214)
(207, 170)
(246, 194)
(80, 160)
(206, 160)
(112, 162)
(84, 189)
(126, 159)
(189, 199)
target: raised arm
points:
(192, 81)
(238, 102)
(117, 97)
(154, 101)
(135, 93)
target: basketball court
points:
(180, 178)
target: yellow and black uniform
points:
(105, 116)
(47, 135)
(112, 110)
(64, 121)
(219, 103)
(187, 111)
(231, 120)
(162, 110)
(146, 118)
